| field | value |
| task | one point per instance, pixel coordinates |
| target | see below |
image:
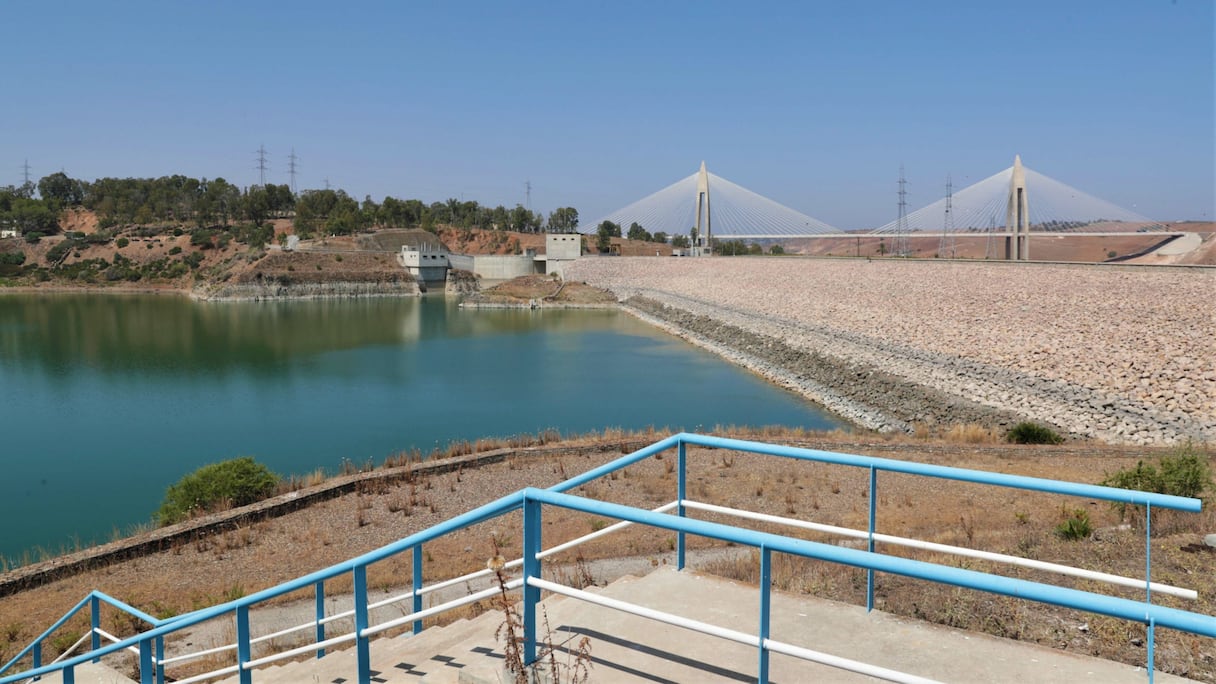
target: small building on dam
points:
(429, 263)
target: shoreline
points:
(860, 394)
(927, 344)
(356, 290)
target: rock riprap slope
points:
(1120, 354)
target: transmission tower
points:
(946, 248)
(262, 165)
(25, 172)
(900, 248)
(291, 169)
(528, 195)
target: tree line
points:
(34, 209)
(178, 199)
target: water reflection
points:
(165, 334)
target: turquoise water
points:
(105, 400)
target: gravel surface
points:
(1120, 354)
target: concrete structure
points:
(1017, 215)
(704, 237)
(560, 249)
(430, 264)
(425, 263)
(628, 648)
(495, 268)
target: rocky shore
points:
(270, 289)
(1122, 355)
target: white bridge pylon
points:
(737, 213)
(1054, 207)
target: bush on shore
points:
(1032, 433)
(235, 482)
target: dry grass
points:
(219, 567)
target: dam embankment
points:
(1118, 354)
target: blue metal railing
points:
(150, 643)
(1147, 499)
(93, 600)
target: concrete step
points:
(627, 648)
(91, 673)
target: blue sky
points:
(814, 104)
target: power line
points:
(988, 246)
(946, 247)
(262, 165)
(900, 248)
(291, 169)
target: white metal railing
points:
(80, 641)
(730, 634)
(946, 548)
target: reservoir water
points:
(106, 400)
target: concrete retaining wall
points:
(38, 574)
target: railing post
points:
(1148, 553)
(95, 623)
(870, 542)
(362, 646)
(146, 671)
(160, 660)
(1148, 582)
(681, 494)
(243, 649)
(1152, 630)
(418, 585)
(532, 546)
(319, 595)
(69, 675)
(37, 654)
(766, 580)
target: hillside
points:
(183, 257)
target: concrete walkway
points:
(1189, 242)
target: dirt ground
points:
(545, 289)
(235, 563)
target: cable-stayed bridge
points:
(1013, 204)
(737, 213)
(1055, 207)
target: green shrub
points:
(58, 251)
(175, 250)
(202, 238)
(122, 242)
(34, 237)
(1185, 472)
(235, 482)
(1032, 433)
(1075, 526)
(14, 258)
